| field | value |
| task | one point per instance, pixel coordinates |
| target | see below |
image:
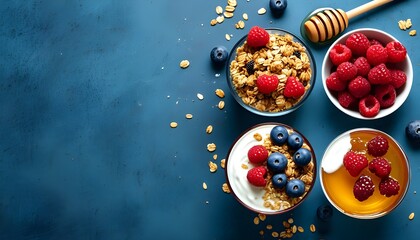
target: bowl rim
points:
(268, 212)
(254, 110)
(370, 216)
(401, 97)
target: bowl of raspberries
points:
(271, 168)
(367, 73)
(270, 71)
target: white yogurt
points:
(333, 156)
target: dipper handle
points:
(366, 7)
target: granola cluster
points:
(283, 57)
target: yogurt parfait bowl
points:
(271, 168)
(283, 57)
(364, 173)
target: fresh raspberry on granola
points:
(340, 53)
(257, 37)
(376, 54)
(267, 83)
(396, 52)
(380, 167)
(377, 146)
(346, 71)
(256, 176)
(334, 84)
(379, 74)
(257, 154)
(359, 87)
(363, 188)
(293, 88)
(389, 186)
(369, 106)
(386, 95)
(398, 78)
(354, 163)
(358, 43)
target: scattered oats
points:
(257, 137)
(286, 224)
(262, 11)
(223, 163)
(213, 22)
(269, 226)
(227, 36)
(212, 166)
(232, 3)
(245, 16)
(219, 10)
(261, 232)
(204, 185)
(215, 156)
(290, 220)
(228, 14)
(241, 24)
(209, 129)
(211, 147)
(225, 188)
(275, 234)
(221, 104)
(411, 216)
(256, 220)
(312, 228)
(174, 124)
(405, 24)
(184, 63)
(244, 166)
(230, 9)
(200, 96)
(294, 229)
(220, 93)
(188, 116)
(262, 217)
(300, 229)
(412, 33)
(220, 19)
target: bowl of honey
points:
(361, 181)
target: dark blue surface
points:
(87, 92)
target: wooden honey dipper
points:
(325, 23)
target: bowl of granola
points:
(270, 72)
(367, 73)
(271, 168)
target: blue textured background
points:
(87, 92)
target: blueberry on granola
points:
(250, 67)
(279, 180)
(302, 157)
(279, 135)
(276, 162)
(294, 141)
(295, 188)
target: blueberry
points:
(276, 162)
(277, 7)
(413, 131)
(324, 212)
(250, 67)
(279, 180)
(302, 157)
(279, 135)
(295, 141)
(295, 188)
(219, 55)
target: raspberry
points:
(358, 43)
(369, 106)
(380, 167)
(379, 75)
(359, 87)
(396, 52)
(363, 188)
(346, 71)
(376, 54)
(346, 100)
(340, 53)
(398, 78)
(377, 146)
(257, 37)
(386, 95)
(334, 84)
(389, 186)
(257, 154)
(374, 42)
(256, 176)
(293, 88)
(267, 83)
(354, 162)
(362, 65)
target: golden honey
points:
(338, 185)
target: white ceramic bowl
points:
(405, 66)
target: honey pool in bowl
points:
(337, 183)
